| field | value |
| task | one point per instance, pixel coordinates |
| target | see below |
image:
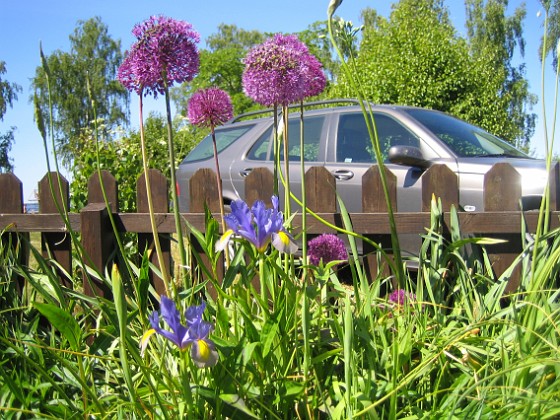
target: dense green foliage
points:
(8, 95)
(221, 65)
(122, 158)
(85, 74)
(416, 58)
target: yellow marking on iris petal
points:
(203, 350)
(283, 243)
(222, 243)
(145, 339)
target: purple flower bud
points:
(209, 107)
(326, 247)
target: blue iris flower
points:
(258, 225)
(194, 334)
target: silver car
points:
(336, 137)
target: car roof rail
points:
(293, 106)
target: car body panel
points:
(332, 134)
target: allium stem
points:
(287, 210)
(303, 199)
(174, 195)
(276, 151)
(157, 244)
(220, 194)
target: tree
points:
(416, 58)
(8, 95)
(121, 158)
(503, 101)
(550, 44)
(87, 73)
(221, 65)
(317, 40)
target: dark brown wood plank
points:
(159, 186)
(54, 197)
(373, 201)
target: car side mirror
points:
(409, 156)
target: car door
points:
(351, 154)
(260, 153)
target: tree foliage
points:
(552, 40)
(8, 95)
(417, 58)
(502, 102)
(84, 74)
(221, 65)
(123, 159)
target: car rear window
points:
(313, 127)
(224, 137)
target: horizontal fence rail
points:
(501, 217)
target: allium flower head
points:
(281, 71)
(401, 297)
(209, 107)
(326, 247)
(258, 225)
(194, 334)
(165, 53)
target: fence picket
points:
(11, 201)
(159, 186)
(54, 198)
(502, 191)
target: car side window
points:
(313, 127)
(224, 137)
(353, 140)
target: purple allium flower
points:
(281, 71)
(326, 247)
(194, 333)
(258, 225)
(165, 52)
(209, 107)
(401, 296)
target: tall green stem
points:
(174, 195)
(157, 244)
(220, 193)
(369, 119)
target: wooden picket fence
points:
(500, 218)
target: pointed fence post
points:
(54, 244)
(98, 238)
(373, 201)
(159, 186)
(259, 185)
(11, 202)
(204, 193)
(441, 182)
(502, 192)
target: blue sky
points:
(28, 22)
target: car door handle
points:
(245, 172)
(343, 174)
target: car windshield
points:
(224, 137)
(465, 140)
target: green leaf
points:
(63, 321)
(237, 402)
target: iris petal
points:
(204, 354)
(145, 339)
